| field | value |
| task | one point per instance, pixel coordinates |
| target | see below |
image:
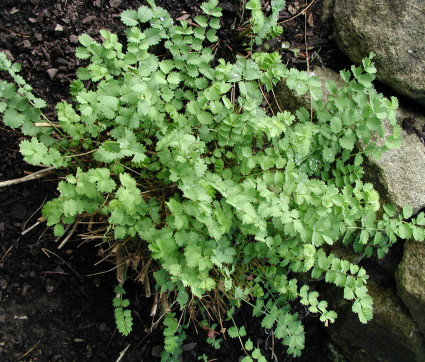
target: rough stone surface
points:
(399, 173)
(410, 278)
(390, 336)
(291, 101)
(395, 31)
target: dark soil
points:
(56, 305)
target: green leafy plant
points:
(222, 200)
(264, 27)
(123, 318)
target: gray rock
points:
(410, 279)
(394, 30)
(390, 336)
(400, 172)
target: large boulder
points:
(410, 278)
(394, 30)
(391, 335)
(398, 175)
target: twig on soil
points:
(4, 255)
(46, 124)
(416, 7)
(46, 251)
(53, 272)
(64, 241)
(39, 221)
(30, 350)
(300, 13)
(14, 32)
(33, 176)
(122, 353)
(10, 130)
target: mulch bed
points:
(56, 305)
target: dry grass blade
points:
(47, 252)
(300, 13)
(7, 252)
(64, 241)
(30, 350)
(121, 265)
(122, 353)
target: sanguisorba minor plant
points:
(187, 177)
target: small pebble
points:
(59, 270)
(88, 19)
(73, 39)
(3, 283)
(58, 28)
(25, 288)
(52, 72)
(114, 3)
(61, 61)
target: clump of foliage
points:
(183, 171)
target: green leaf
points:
(249, 346)
(85, 40)
(336, 125)
(59, 230)
(347, 141)
(174, 78)
(33, 151)
(13, 119)
(233, 332)
(389, 209)
(208, 284)
(215, 23)
(257, 354)
(144, 14)
(211, 35)
(407, 211)
(129, 18)
(201, 20)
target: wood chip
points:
(310, 21)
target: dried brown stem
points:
(64, 241)
(155, 305)
(300, 13)
(33, 176)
